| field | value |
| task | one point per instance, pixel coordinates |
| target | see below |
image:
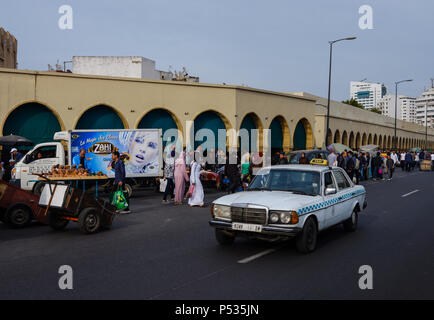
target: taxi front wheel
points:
(306, 239)
(223, 238)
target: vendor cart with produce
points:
(64, 199)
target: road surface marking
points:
(407, 194)
(258, 255)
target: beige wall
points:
(346, 118)
(70, 95)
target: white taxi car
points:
(287, 201)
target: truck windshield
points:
(296, 181)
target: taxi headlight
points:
(274, 218)
(285, 217)
(222, 212)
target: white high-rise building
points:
(366, 93)
(426, 101)
(386, 105)
(408, 109)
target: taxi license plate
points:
(247, 227)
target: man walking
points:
(120, 178)
(332, 159)
(390, 165)
(350, 165)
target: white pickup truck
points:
(141, 150)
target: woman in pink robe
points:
(180, 177)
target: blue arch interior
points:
(100, 117)
(32, 121)
(248, 123)
(158, 118)
(299, 137)
(208, 120)
(276, 134)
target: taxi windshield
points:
(296, 181)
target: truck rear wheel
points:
(89, 221)
(128, 189)
(19, 216)
(56, 222)
(223, 238)
(37, 188)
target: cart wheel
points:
(19, 216)
(37, 188)
(89, 221)
(55, 222)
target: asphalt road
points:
(167, 252)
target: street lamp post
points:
(330, 80)
(395, 142)
(426, 124)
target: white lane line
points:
(410, 193)
(258, 255)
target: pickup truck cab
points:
(287, 201)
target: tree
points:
(354, 103)
(376, 110)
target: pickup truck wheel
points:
(306, 239)
(37, 188)
(128, 189)
(350, 225)
(19, 216)
(89, 221)
(55, 222)
(223, 238)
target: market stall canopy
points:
(338, 148)
(13, 140)
(369, 148)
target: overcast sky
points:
(268, 44)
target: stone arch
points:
(280, 135)
(101, 116)
(351, 141)
(213, 120)
(329, 137)
(337, 138)
(364, 139)
(345, 138)
(358, 140)
(160, 118)
(303, 135)
(33, 120)
(252, 121)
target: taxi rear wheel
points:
(350, 224)
(306, 239)
(223, 238)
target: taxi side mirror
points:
(329, 191)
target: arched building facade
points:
(37, 104)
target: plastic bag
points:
(163, 184)
(119, 200)
(190, 191)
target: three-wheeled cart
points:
(65, 202)
(18, 207)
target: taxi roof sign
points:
(321, 162)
